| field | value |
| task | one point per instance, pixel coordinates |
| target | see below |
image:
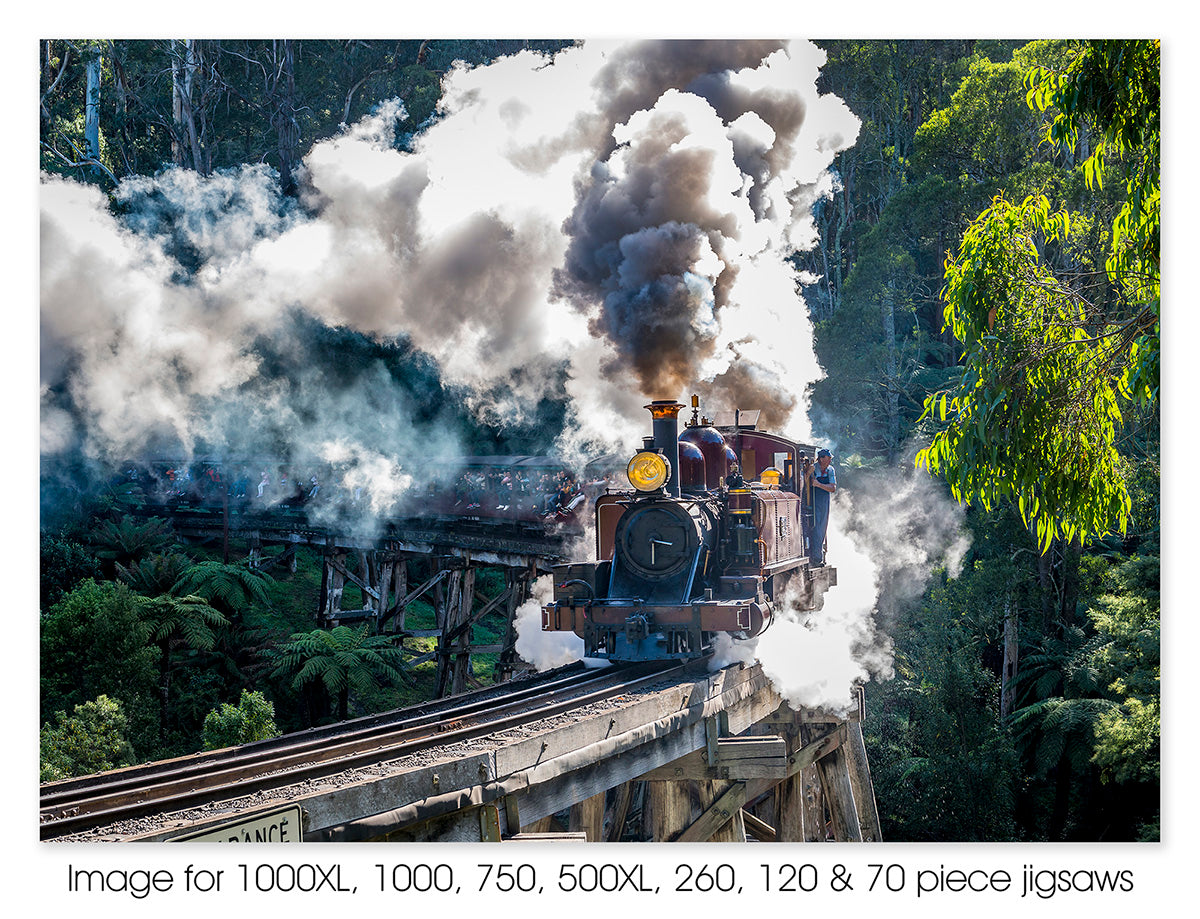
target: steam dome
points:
(712, 446)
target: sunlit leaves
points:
(253, 718)
(1111, 89)
(92, 739)
(1034, 415)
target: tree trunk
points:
(164, 690)
(287, 129)
(91, 128)
(1008, 691)
(1045, 570)
(891, 374)
(185, 143)
(1071, 556)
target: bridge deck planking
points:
(543, 774)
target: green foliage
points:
(129, 539)
(986, 133)
(155, 574)
(943, 766)
(189, 621)
(1113, 88)
(229, 588)
(1128, 664)
(1034, 416)
(243, 101)
(92, 739)
(64, 563)
(1089, 709)
(253, 718)
(882, 347)
(338, 661)
(94, 642)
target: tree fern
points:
(228, 587)
(340, 660)
(128, 539)
(156, 574)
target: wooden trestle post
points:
(587, 816)
(804, 772)
(382, 577)
(518, 581)
(859, 771)
(454, 644)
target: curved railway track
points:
(75, 805)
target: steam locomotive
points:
(716, 531)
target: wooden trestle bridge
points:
(450, 549)
(645, 752)
(695, 756)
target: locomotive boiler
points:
(713, 535)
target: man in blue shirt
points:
(824, 483)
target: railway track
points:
(74, 805)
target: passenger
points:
(824, 483)
(567, 489)
(504, 493)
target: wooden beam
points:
(339, 565)
(541, 827)
(835, 782)
(667, 810)
(759, 829)
(548, 837)
(458, 660)
(820, 746)
(588, 817)
(512, 813)
(457, 631)
(335, 582)
(416, 594)
(725, 809)
(620, 811)
(859, 771)
(734, 758)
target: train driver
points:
(824, 482)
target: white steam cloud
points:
(886, 536)
(545, 650)
(681, 172)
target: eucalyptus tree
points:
(942, 131)
(1051, 369)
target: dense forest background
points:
(1025, 703)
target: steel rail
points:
(193, 784)
(65, 792)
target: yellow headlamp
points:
(648, 471)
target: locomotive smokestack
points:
(665, 413)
